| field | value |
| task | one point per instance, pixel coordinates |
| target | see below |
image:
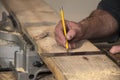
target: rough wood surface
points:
(10, 76)
(96, 67)
(38, 21)
(7, 76)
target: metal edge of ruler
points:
(72, 53)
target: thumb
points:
(115, 49)
(71, 34)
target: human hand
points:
(75, 32)
(115, 49)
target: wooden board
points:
(7, 76)
(10, 76)
(96, 67)
(37, 20)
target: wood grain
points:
(38, 21)
(7, 76)
(86, 68)
(10, 76)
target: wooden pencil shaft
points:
(64, 27)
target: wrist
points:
(86, 29)
(99, 24)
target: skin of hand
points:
(75, 32)
(115, 49)
(99, 24)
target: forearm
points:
(99, 24)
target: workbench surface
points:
(37, 21)
(10, 76)
(7, 76)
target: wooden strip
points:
(87, 68)
(11, 76)
(38, 21)
(7, 76)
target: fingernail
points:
(68, 37)
(113, 50)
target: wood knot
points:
(41, 36)
(85, 58)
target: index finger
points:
(59, 35)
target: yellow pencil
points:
(64, 27)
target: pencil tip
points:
(61, 7)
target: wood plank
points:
(38, 19)
(10, 76)
(7, 76)
(96, 67)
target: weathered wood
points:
(7, 76)
(38, 21)
(10, 76)
(96, 67)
